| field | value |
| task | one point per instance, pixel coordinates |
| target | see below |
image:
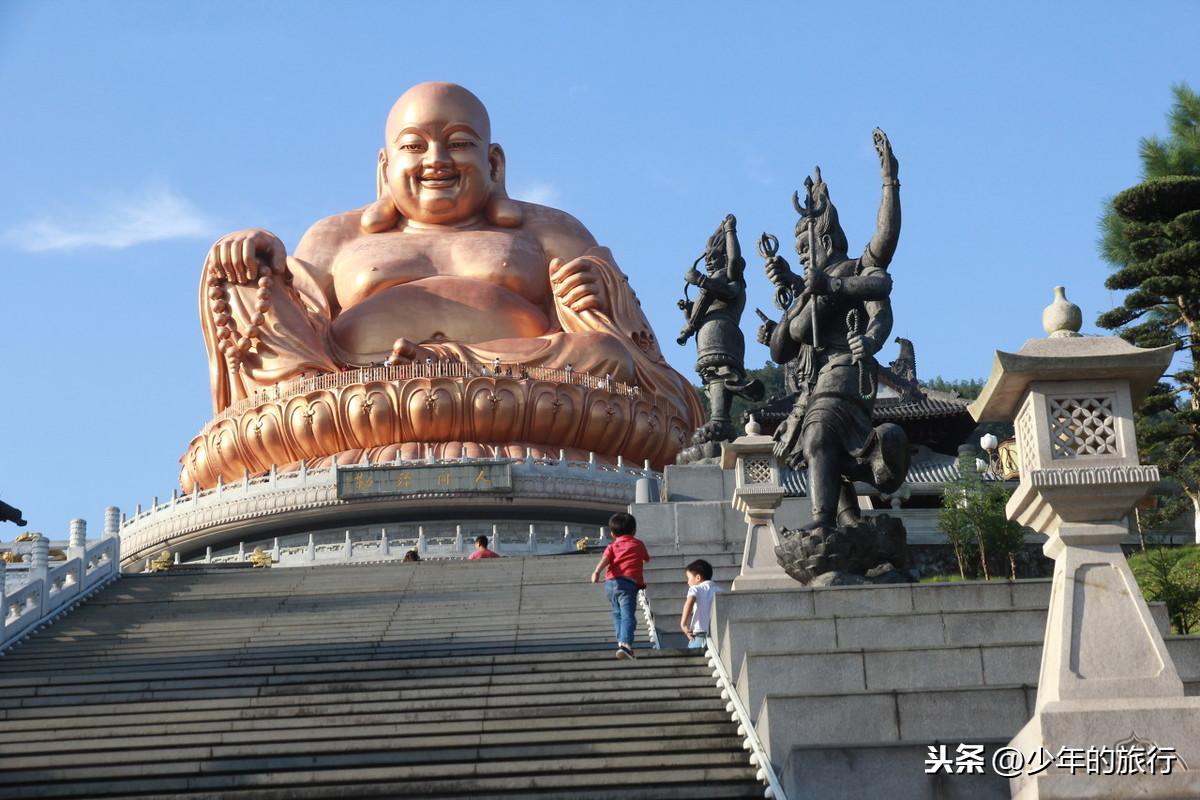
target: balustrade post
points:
(312, 548)
(241, 556)
(39, 560)
(112, 521)
(384, 547)
(77, 539)
(458, 539)
(275, 549)
(495, 538)
(348, 547)
(208, 555)
(532, 540)
(3, 601)
(421, 541)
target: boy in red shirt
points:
(623, 559)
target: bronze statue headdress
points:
(818, 214)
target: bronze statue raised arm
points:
(840, 318)
(442, 267)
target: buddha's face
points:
(439, 162)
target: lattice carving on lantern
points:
(1026, 444)
(757, 470)
(1082, 426)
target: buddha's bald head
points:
(435, 101)
(438, 164)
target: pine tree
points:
(1150, 233)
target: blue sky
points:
(136, 133)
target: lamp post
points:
(1107, 682)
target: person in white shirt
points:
(697, 609)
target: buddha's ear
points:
(501, 209)
(382, 215)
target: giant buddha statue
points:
(443, 317)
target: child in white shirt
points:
(697, 609)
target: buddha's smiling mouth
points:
(439, 181)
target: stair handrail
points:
(741, 716)
(51, 591)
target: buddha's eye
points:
(461, 144)
(410, 147)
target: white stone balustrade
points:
(34, 591)
(303, 551)
(171, 524)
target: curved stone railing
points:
(418, 369)
(35, 591)
(303, 550)
(165, 525)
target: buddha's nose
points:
(437, 155)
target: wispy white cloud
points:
(154, 214)
(541, 193)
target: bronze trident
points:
(809, 211)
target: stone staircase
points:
(438, 679)
(847, 687)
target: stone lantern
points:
(1106, 679)
(757, 494)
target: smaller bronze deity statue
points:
(836, 318)
(713, 318)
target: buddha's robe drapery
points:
(296, 340)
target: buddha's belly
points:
(435, 309)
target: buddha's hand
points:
(577, 285)
(243, 256)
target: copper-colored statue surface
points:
(442, 289)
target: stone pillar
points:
(77, 539)
(3, 599)
(757, 495)
(644, 491)
(112, 521)
(39, 559)
(1107, 682)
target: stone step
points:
(187, 701)
(595, 779)
(254, 694)
(426, 679)
(399, 720)
(499, 664)
(102, 740)
(252, 757)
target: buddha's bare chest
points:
(372, 262)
